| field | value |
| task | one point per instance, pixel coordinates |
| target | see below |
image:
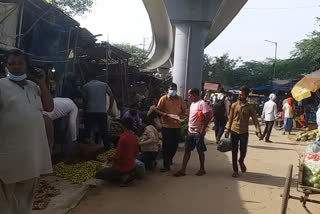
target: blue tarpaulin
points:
(263, 88)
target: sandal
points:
(201, 172)
(179, 174)
(235, 174)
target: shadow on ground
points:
(158, 193)
(269, 148)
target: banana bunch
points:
(106, 156)
(78, 173)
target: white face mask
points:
(15, 78)
(157, 123)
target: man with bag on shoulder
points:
(238, 126)
(199, 118)
(221, 109)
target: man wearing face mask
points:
(171, 108)
(24, 150)
(238, 126)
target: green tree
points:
(308, 51)
(74, 7)
(219, 69)
(138, 55)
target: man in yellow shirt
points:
(238, 126)
(171, 107)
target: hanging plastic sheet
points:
(8, 24)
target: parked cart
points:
(305, 191)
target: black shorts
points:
(195, 141)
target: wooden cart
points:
(305, 191)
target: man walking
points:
(171, 107)
(199, 118)
(95, 97)
(221, 110)
(24, 150)
(238, 126)
(269, 114)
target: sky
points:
(282, 21)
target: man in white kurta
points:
(24, 151)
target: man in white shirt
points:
(24, 151)
(269, 114)
(65, 117)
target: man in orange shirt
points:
(171, 107)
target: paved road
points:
(257, 191)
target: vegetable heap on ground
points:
(107, 155)
(44, 193)
(79, 172)
(308, 136)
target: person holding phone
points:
(24, 150)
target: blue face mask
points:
(15, 78)
(172, 93)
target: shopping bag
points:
(225, 145)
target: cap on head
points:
(272, 96)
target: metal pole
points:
(20, 23)
(275, 60)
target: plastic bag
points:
(225, 145)
(115, 113)
(140, 169)
(312, 148)
(311, 173)
(311, 165)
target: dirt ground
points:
(257, 191)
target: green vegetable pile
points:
(308, 136)
(78, 173)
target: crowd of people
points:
(31, 121)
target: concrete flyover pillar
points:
(188, 55)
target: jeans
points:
(219, 126)
(235, 138)
(170, 140)
(98, 128)
(148, 159)
(267, 130)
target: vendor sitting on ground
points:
(133, 114)
(149, 144)
(126, 152)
